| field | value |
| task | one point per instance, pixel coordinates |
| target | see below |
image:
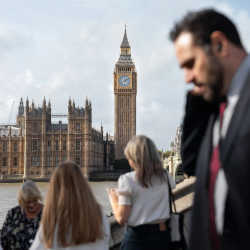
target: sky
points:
(59, 49)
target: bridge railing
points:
(183, 196)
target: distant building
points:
(174, 160)
(177, 141)
(35, 145)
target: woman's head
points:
(29, 196)
(67, 181)
(144, 157)
(71, 206)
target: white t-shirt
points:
(148, 205)
(102, 244)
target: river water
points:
(9, 192)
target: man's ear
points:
(219, 43)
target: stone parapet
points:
(183, 196)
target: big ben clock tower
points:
(125, 87)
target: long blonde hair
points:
(71, 208)
(143, 152)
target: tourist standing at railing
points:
(142, 198)
(216, 128)
(72, 218)
(22, 222)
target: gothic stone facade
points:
(35, 146)
(125, 89)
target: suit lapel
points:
(236, 121)
(206, 150)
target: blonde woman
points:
(22, 222)
(142, 198)
(72, 218)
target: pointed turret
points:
(49, 105)
(32, 105)
(125, 55)
(86, 102)
(102, 130)
(125, 43)
(21, 107)
(27, 105)
(44, 104)
(70, 105)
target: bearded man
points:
(216, 128)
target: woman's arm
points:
(121, 212)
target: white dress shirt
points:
(221, 186)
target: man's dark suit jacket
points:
(235, 159)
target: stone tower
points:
(34, 121)
(35, 145)
(80, 134)
(125, 88)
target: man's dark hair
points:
(201, 24)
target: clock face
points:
(124, 81)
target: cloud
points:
(70, 50)
(12, 40)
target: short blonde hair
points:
(28, 191)
(143, 152)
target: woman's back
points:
(142, 198)
(149, 205)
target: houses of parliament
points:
(34, 146)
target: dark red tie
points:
(214, 169)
